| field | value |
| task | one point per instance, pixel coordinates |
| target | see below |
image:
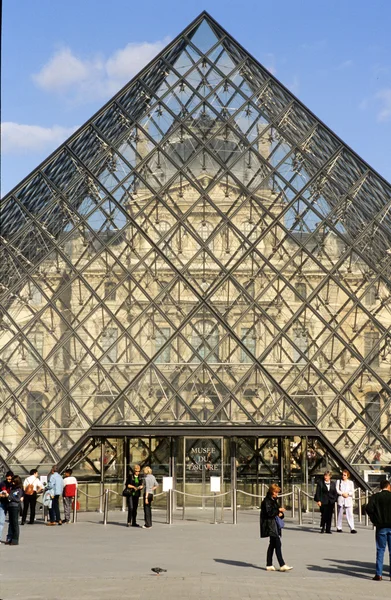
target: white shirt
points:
(37, 485)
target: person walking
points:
(32, 486)
(326, 497)
(345, 491)
(56, 487)
(5, 488)
(271, 525)
(69, 494)
(135, 483)
(379, 511)
(150, 485)
(14, 501)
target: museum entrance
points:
(204, 469)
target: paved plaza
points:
(92, 561)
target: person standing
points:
(270, 527)
(326, 497)
(345, 491)
(56, 487)
(379, 511)
(31, 488)
(14, 500)
(135, 483)
(5, 488)
(69, 494)
(150, 485)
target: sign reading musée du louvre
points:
(203, 454)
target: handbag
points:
(280, 522)
(127, 492)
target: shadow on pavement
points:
(352, 568)
(237, 563)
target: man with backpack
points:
(32, 486)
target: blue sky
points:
(61, 61)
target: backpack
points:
(29, 489)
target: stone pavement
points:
(90, 561)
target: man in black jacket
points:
(379, 511)
(326, 496)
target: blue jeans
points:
(383, 537)
(2, 518)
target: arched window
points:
(205, 230)
(162, 228)
(36, 402)
(250, 230)
(205, 339)
(300, 291)
(301, 341)
(307, 403)
(249, 340)
(372, 410)
(109, 345)
(161, 336)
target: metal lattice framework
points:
(202, 251)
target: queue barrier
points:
(297, 494)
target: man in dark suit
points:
(326, 496)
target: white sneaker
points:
(270, 568)
(286, 568)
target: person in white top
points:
(32, 486)
(345, 491)
(69, 494)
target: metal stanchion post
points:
(235, 506)
(170, 504)
(366, 514)
(359, 506)
(214, 508)
(105, 506)
(75, 507)
(313, 511)
(299, 507)
(293, 500)
(168, 511)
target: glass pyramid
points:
(203, 251)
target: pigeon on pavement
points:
(158, 570)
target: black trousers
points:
(29, 502)
(148, 511)
(13, 527)
(274, 545)
(326, 511)
(54, 511)
(132, 509)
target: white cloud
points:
(384, 96)
(270, 63)
(344, 65)
(294, 85)
(127, 62)
(20, 139)
(62, 71)
(85, 79)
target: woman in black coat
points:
(14, 501)
(134, 482)
(270, 509)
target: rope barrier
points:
(248, 494)
(200, 496)
(89, 495)
(261, 496)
